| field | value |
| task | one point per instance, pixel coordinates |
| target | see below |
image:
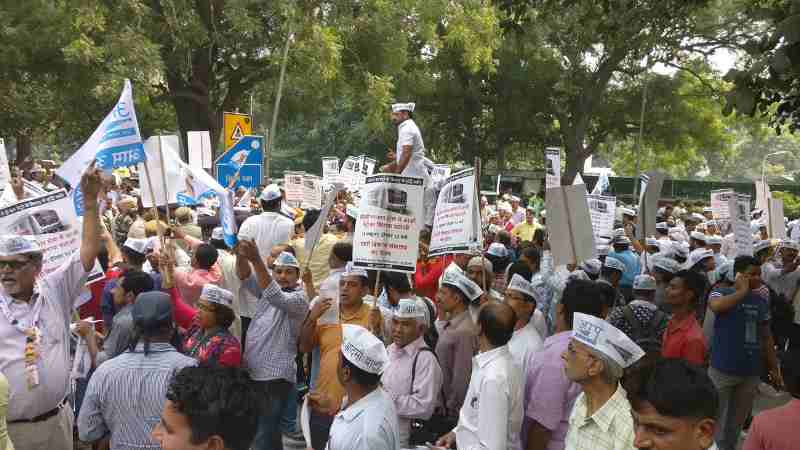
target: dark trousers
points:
(275, 394)
(320, 429)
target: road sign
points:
(248, 154)
(235, 126)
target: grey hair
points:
(612, 372)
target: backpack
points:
(647, 337)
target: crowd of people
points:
(658, 343)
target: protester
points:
(204, 271)
(208, 338)
(632, 267)
(109, 410)
(595, 359)
(783, 277)
(526, 340)
(210, 408)
(412, 376)
(523, 231)
(368, 421)
(491, 416)
(684, 337)
(37, 312)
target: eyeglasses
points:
(14, 264)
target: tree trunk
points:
(24, 147)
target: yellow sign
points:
(235, 126)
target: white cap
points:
(761, 245)
(695, 217)
(789, 243)
(137, 245)
(352, 211)
(215, 294)
(397, 107)
(666, 264)
(363, 349)
(217, 234)
(698, 255)
(644, 283)
(622, 240)
(497, 249)
(514, 198)
(614, 263)
(628, 212)
(462, 283)
(606, 339)
(520, 284)
(698, 235)
(602, 249)
(681, 249)
(270, 193)
(407, 309)
(11, 245)
(651, 242)
(591, 266)
(286, 259)
(662, 226)
(350, 270)
(714, 240)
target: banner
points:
(454, 225)
(200, 152)
(777, 227)
(315, 232)
(293, 187)
(648, 204)
(552, 167)
(52, 220)
(739, 204)
(312, 192)
(569, 225)
(186, 185)
(390, 217)
(115, 143)
(330, 169)
(602, 210)
(720, 208)
(5, 172)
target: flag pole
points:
(476, 199)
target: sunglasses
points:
(14, 264)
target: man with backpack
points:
(641, 320)
(412, 377)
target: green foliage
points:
(791, 204)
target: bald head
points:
(497, 323)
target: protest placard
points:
(390, 217)
(553, 167)
(313, 234)
(454, 224)
(602, 210)
(330, 169)
(569, 225)
(720, 209)
(777, 227)
(439, 174)
(348, 175)
(762, 196)
(293, 187)
(739, 206)
(312, 192)
(648, 204)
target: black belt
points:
(42, 417)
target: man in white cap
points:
(368, 419)
(595, 359)
(526, 340)
(611, 274)
(412, 376)
(491, 416)
(517, 213)
(35, 314)
(622, 252)
(410, 153)
(783, 277)
(272, 338)
(457, 338)
(697, 240)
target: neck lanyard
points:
(33, 337)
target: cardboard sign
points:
(777, 227)
(569, 225)
(312, 192)
(739, 205)
(552, 167)
(348, 174)
(440, 173)
(293, 186)
(200, 152)
(720, 208)
(454, 225)
(648, 204)
(602, 210)
(330, 169)
(390, 217)
(762, 196)
(315, 232)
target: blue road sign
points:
(248, 155)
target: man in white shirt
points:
(491, 416)
(412, 377)
(367, 419)
(783, 278)
(526, 340)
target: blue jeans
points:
(289, 416)
(275, 394)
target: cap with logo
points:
(604, 338)
(363, 349)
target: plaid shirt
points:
(609, 428)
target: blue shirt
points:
(632, 267)
(736, 346)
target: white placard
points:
(720, 209)
(5, 172)
(454, 224)
(603, 210)
(648, 204)
(315, 232)
(569, 225)
(740, 221)
(330, 169)
(777, 227)
(390, 217)
(552, 167)
(293, 187)
(440, 173)
(348, 175)
(312, 192)
(199, 145)
(762, 196)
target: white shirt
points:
(58, 291)
(368, 424)
(525, 342)
(491, 417)
(408, 134)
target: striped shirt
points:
(126, 395)
(272, 337)
(609, 428)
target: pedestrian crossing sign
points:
(235, 126)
